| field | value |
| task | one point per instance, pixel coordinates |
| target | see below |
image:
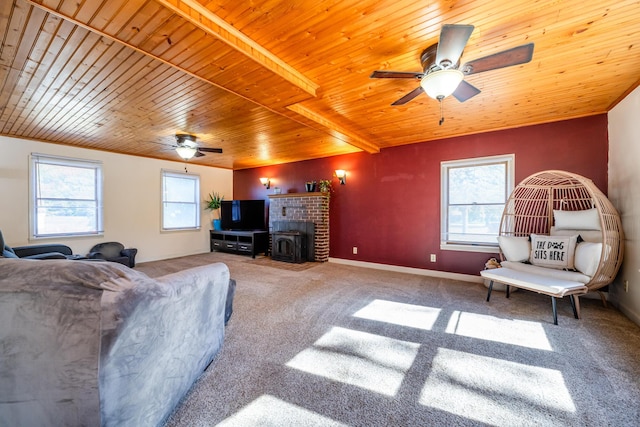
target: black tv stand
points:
(240, 241)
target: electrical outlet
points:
(626, 286)
(355, 250)
(433, 257)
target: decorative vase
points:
(311, 186)
(217, 225)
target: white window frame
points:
(195, 200)
(445, 242)
(36, 197)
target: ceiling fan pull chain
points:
(440, 98)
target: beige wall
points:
(131, 200)
(624, 192)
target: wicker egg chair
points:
(530, 207)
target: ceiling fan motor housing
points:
(186, 140)
(428, 60)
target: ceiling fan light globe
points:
(442, 83)
(186, 152)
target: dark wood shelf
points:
(240, 242)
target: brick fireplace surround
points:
(312, 207)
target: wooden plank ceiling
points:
(279, 81)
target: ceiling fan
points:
(442, 74)
(187, 147)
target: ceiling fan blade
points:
(465, 91)
(395, 75)
(198, 154)
(453, 39)
(408, 97)
(506, 58)
(210, 150)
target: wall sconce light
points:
(266, 182)
(342, 176)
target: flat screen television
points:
(242, 215)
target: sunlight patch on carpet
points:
(369, 361)
(495, 391)
(269, 411)
(413, 316)
(515, 332)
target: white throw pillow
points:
(587, 219)
(515, 249)
(553, 251)
(587, 257)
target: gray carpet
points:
(335, 345)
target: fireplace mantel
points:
(287, 195)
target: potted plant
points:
(324, 186)
(213, 204)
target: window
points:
(180, 201)
(66, 196)
(474, 192)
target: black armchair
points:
(114, 251)
(5, 250)
(43, 251)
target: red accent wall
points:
(390, 205)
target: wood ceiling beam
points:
(212, 24)
(331, 128)
(206, 20)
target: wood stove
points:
(283, 231)
(288, 246)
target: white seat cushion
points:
(534, 282)
(574, 276)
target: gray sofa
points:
(97, 343)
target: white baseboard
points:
(630, 313)
(170, 256)
(409, 270)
